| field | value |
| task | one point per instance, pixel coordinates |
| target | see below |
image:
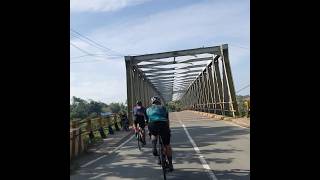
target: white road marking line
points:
(203, 161)
(94, 177)
(103, 156)
(234, 124)
(93, 161)
(122, 144)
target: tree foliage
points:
(81, 108)
(241, 104)
(174, 106)
(115, 107)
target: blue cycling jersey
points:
(157, 113)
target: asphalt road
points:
(202, 149)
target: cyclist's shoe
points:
(155, 152)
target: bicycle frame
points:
(140, 136)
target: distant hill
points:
(241, 98)
(240, 101)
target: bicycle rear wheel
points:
(139, 141)
(162, 158)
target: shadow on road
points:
(234, 174)
(126, 164)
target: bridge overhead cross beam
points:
(209, 88)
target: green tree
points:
(123, 107)
(78, 108)
(115, 107)
(95, 107)
(241, 104)
(174, 106)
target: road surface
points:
(203, 149)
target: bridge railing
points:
(84, 132)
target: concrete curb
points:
(240, 123)
(75, 163)
(97, 148)
(217, 117)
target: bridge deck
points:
(203, 149)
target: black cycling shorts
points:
(162, 128)
(141, 123)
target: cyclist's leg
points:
(135, 127)
(143, 136)
(154, 139)
(139, 126)
(142, 125)
(140, 131)
(166, 135)
(169, 156)
(168, 152)
(153, 130)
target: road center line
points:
(203, 161)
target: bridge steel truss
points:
(200, 78)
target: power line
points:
(80, 49)
(72, 62)
(243, 88)
(86, 41)
(91, 54)
(79, 34)
(84, 61)
(97, 55)
(79, 56)
(94, 42)
(87, 54)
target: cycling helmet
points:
(139, 103)
(155, 100)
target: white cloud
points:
(102, 5)
(204, 24)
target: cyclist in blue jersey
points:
(158, 124)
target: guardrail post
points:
(81, 143)
(115, 119)
(71, 144)
(110, 126)
(101, 130)
(89, 129)
(74, 125)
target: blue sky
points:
(151, 26)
